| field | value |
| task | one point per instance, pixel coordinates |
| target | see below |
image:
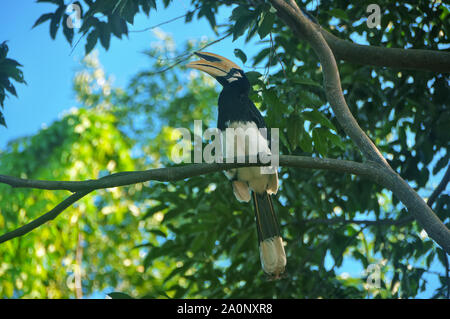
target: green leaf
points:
(68, 32)
(105, 35)
(294, 127)
(317, 117)
(441, 163)
(189, 16)
(118, 25)
(310, 99)
(145, 6)
(129, 11)
(305, 142)
(320, 141)
(158, 232)
(151, 211)
(338, 13)
(335, 139)
(272, 101)
(91, 41)
(3, 50)
(253, 77)
(2, 120)
(266, 24)
(2, 96)
(42, 19)
(241, 55)
(17, 75)
(242, 239)
(243, 18)
(55, 21)
(261, 56)
(10, 88)
(53, 27)
(10, 63)
(306, 81)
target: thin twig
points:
(440, 188)
(279, 59)
(165, 22)
(333, 221)
(266, 73)
(186, 56)
(78, 41)
(44, 218)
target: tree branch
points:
(165, 22)
(304, 29)
(373, 171)
(82, 188)
(440, 188)
(44, 218)
(339, 220)
(170, 174)
(186, 56)
(415, 59)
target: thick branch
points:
(83, 188)
(169, 174)
(306, 30)
(370, 170)
(415, 59)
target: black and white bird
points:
(238, 112)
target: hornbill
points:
(236, 110)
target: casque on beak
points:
(213, 64)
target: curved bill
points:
(213, 64)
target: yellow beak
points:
(213, 64)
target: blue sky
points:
(49, 68)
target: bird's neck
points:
(234, 105)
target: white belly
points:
(248, 141)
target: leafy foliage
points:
(9, 70)
(100, 19)
(188, 239)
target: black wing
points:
(256, 117)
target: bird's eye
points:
(234, 75)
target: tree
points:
(9, 70)
(198, 243)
